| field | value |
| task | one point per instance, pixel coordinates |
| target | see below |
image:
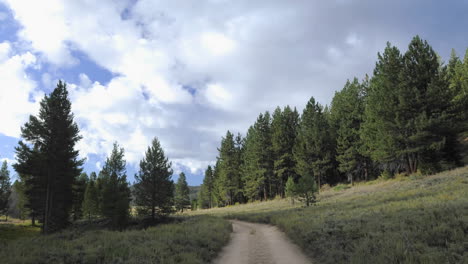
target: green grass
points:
(15, 228)
(405, 220)
(195, 239)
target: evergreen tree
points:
(457, 75)
(379, 130)
(48, 162)
(347, 115)
(239, 144)
(91, 198)
(424, 102)
(312, 149)
(408, 111)
(79, 188)
(229, 170)
(182, 198)
(205, 199)
(258, 160)
(115, 189)
(291, 189)
(153, 187)
(283, 137)
(5, 188)
(218, 199)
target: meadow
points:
(416, 219)
(16, 228)
(195, 239)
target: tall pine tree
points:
(48, 160)
(182, 191)
(79, 188)
(312, 149)
(283, 137)
(229, 170)
(153, 187)
(347, 115)
(5, 188)
(115, 192)
(205, 199)
(91, 198)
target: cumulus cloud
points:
(18, 94)
(188, 71)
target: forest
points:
(406, 120)
(409, 117)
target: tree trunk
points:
(33, 220)
(45, 225)
(366, 175)
(318, 184)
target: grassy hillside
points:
(405, 220)
(194, 240)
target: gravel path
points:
(259, 243)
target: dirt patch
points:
(259, 243)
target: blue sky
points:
(186, 73)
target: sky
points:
(188, 71)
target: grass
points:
(195, 239)
(404, 220)
(16, 228)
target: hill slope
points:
(406, 220)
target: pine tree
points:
(379, 130)
(218, 199)
(153, 187)
(239, 144)
(283, 137)
(457, 75)
(182, 199)
(258, 160)
(424, 100)
(347, 115)
(79, 188)
(115, 189)
(91, 198)
(205, 199)
(408, 109)
(229, 170)
(290, 189)
(48, 162)
(312, 150)
(5, 188)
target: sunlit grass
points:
(16, 228)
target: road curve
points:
(258, 243)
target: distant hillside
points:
(194, 190)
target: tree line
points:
(53, 190)
(409, 117)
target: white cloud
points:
(18, 95)
(216, 43)
(98, 166)
(186, 72)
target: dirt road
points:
(258, 243)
